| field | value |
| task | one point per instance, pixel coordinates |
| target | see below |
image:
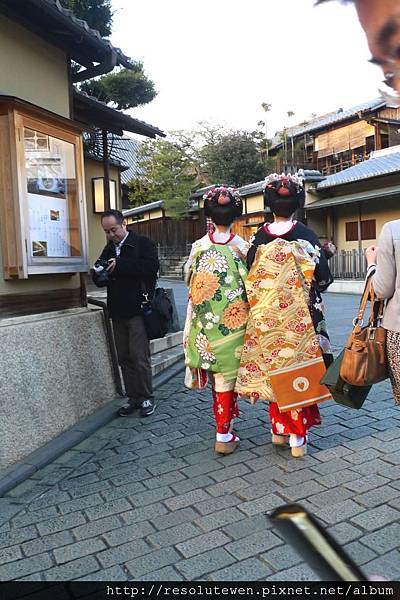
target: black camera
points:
(100, 275)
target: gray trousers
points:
(133, 351)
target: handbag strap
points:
(375, 316)
(363, 303)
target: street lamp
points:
(98, 194)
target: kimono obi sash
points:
(281, 359)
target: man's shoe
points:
(126, 410)
(148, 407)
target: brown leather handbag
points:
(364, 360)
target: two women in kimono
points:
(278, 343)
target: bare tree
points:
(290, 114)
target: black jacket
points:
(138, 261)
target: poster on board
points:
(46, 176)
(48, 226)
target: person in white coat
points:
(384, 261)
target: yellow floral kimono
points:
(281, 359)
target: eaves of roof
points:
(94, 113)
(388, 192)
(50, 20)
(114, 163)
(131, 212)
(251, 188)
(330, 120)
(126, 150)
(257, 187)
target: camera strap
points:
(146, 301)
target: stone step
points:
(173, 276)
(162, 361)
(173, 261)
(171, 340)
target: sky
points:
(218, 60)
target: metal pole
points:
(111, 343)
(360, 249)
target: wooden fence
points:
(348, 264)
(169, 232)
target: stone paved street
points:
(147, 499)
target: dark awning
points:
(96, 114)
(352, 198)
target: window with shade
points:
(368, 230)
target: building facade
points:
(55, 367)
(338, 140)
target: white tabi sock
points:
(226, 437)
(296, 440)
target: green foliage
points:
(167, 173)
(97, 13)
(234, 158)
(171, 169)
(126, 88)
(138, 191)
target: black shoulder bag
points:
(157, 312)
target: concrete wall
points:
(32, 69)
(382, 211)
(54, 370)
(96, 235)
(255, 203)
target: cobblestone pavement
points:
(147, 499)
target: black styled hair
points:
(222, 214)
(112, 212)
(283, 205)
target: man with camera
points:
(128, 266)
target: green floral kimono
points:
(217, 313)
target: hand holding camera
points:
(101, 271)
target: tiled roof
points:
(257, 186)
(125, 149)
(329, 119)
(381, 165)
(123, 60)
(91, 111)
(251, 188)
(130, 212)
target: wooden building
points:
(338, 140)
